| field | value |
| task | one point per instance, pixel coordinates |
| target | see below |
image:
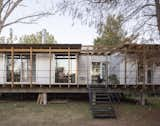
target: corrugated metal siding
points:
(85, 67)
(156, 75)
(2, 69)
(42, 68)
(84, 62)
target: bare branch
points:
(4, 5)
(11, 9)
(137, 10)
(35, 16)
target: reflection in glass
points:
(21, 68)
(65, 69)
(98, 72)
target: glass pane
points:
(95, 71)
(17, 70)
(65, 71)
(21, 68)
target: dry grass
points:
(74, 114)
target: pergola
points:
(29, 49)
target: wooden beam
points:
(42, 50)
(12, 66)
(50, 66)
(31, 69)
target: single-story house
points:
(74, 64)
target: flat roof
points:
(41, 46)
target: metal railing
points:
(77, 77)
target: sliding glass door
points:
(21, 68)
(65, 69)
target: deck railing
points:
(80, 77)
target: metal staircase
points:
(101, 102)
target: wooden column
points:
(142, 93)
(31, 67)
(107, 69)
(87, 66)
(12, 66)
(42, 99)
(125, 68)
(77, 57)
(137, 63)
(144, 67)
(69, 67)
(50, 66)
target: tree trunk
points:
(157, 5)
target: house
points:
(72, 68)
(49, 65)
(136, 64)
(57, 65)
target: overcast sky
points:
(60, 26)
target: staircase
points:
(101, 101)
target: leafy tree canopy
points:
(112, 33)
(37, 38)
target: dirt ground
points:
(74, 113)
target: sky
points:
(60, 26)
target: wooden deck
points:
(80, 88)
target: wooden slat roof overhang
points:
(151, 52)
(136, 48)
(40, 48)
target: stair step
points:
(103, 98)
(101, 101)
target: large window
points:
(65, 69)
(145, 73)
(21, 68)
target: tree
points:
(140, 16)
(37, 38)
(2, 39)
(7, 8)
(112, 33)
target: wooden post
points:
(69, 67)
(42, 99)
(77, 57)
(107, 74)
(142, 93)
(144, 67)
(30, 67)
(87, 66)
(125, 68)
(50, 66)
(12, 66)
(22, 71)
(142, 98)
(137, 62)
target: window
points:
(21, 68)
(98, 72)
(145, 74)
(149, 73)
(141, 73)
(65, 69)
